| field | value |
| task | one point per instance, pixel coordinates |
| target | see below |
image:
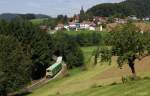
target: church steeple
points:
(82, 15)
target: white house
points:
(84, 25)
(72, 25)
(133, 17)
(92, 28)
(146, 19)
(67, 27)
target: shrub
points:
(114, 83)
(147, 78)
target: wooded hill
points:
(140, 8)
(28, 16)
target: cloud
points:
(34, 5)
(50, 7)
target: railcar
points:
(54, 69)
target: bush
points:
(114, 83)
(147, 78)
(129, 79)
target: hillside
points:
(38, 21)
(138, 88)
(10, 16)
(141, 25)
(89, 82)
(141, 8)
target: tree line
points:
(87, 38)
(140, 8)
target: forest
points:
(140, 8)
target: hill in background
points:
(140, 8)
(29, 16)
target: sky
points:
(49, 7)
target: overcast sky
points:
(49, 7)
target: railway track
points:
(46, 80)
(40, 82)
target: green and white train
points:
(54, 69)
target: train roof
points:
(59, 59)
(53, 66)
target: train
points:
(54, 68)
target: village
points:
(97, 23)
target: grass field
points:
(88, 82)
(72, 32)
(88, 55)
(38, 21)
(134, 88)
(147, 22)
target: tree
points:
(27, 16)
(140, 8)
(50, 22)
(87, 38)
(36, 44)
(64, 45)
(14, 65)
(62, 19)
(128, 44)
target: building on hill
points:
(85, 25)
(88, 25)
(133, 17)
(76, 18)
(121, 21)
(72, 25)
(67, 27)
(146, 18)
(45, 28)
(100, 20)
(59, 26)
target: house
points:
(77, 18)
(59, 26)
(66, 27)
(92, 26)
(133, 17)
(85, 25)
(146, 19)
(120, 21)
(100, 20)
(72, 25)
